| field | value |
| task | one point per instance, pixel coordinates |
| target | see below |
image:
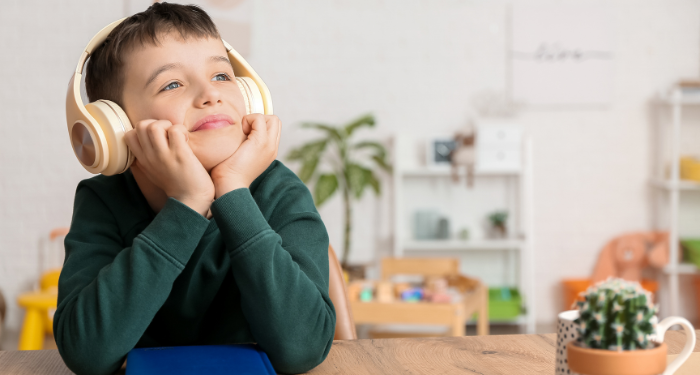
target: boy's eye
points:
(171, 85)
(221, 77)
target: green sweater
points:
(256, 272)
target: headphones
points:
(97, 129)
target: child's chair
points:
(41, 303)
(344, 323)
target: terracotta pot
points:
(610, 362)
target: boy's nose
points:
(208, 96)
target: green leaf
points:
(330, 130)
(380, 151)
(382, 163)
(308, 169)
(308, 151)
(373, 182)
(366, 120)
(356, 178)
(326, 185)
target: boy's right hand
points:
(162, 152)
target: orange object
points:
(574, 287)
(625, 256)
(696, 284)
(628, 362)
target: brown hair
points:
(104, 76)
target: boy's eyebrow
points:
(162, 69)
(219, 59)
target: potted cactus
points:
(615, 322)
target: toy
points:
(399, 288)
(412, 295)
(625, 256)
(354, 290)
(462, 283)
(464, 153)
(437, 290)
(366, 294)
(385, 292)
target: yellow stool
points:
(40, 307)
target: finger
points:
(178, 137)
(254, 123)
(141, 129)
(132, 141)
(157, 133)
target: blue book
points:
(245, 359)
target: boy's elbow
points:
(93, 364)
(84, 356)
(298, 360)
(298, 357)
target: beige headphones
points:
(97, 129)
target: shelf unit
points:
(520, 247)
(673, 186)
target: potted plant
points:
(498, 224)
(615, 322)
(348, 172)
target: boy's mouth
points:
(212, 122)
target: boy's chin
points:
(212, 157)
(214, 149)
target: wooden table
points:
(512, 354)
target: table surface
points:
(485, 355)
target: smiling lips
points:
(212, 122)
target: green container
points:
(504, 303)
(691, 250)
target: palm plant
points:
(347, 173)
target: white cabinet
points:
(498, 149)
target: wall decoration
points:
(562, 55)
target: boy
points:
(206, 239)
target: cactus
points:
(615, 315)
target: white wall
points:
(40, 42)
(416, 64)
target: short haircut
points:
(104, 76)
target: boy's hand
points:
(162, 152)
(253, 156)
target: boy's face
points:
(187, 82)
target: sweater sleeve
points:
(108, 292)
(281, 268)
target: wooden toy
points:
(385, 292)
(354, 290)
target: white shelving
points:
(516, 251)
(683, 269)
(458, 245)
(679, 185)
(673, 186)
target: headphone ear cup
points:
(114, 124)
(251, 95)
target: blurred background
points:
(522, 137)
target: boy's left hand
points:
(253, 156)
